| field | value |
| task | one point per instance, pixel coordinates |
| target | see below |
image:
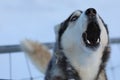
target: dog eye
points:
(74, 18)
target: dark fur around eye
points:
(74, 18)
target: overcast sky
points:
(35, 19)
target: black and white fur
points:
(82, 48)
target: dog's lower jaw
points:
(86, 64)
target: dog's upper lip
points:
(92, 19)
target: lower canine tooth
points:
(88, 41)
(98, 40)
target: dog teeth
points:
(98, 40)
(88, 41)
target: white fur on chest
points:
(87, 64)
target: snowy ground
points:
(35, 19)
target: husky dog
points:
(81, 49)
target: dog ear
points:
(57, 29)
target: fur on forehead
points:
(60, 28)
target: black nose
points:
(90, 12)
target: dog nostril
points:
(90, 12)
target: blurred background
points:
(35, 20)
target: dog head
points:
(82, 30)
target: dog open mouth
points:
(91, 36)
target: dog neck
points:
(66, 67)
(86, 63)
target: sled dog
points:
(81, 49)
